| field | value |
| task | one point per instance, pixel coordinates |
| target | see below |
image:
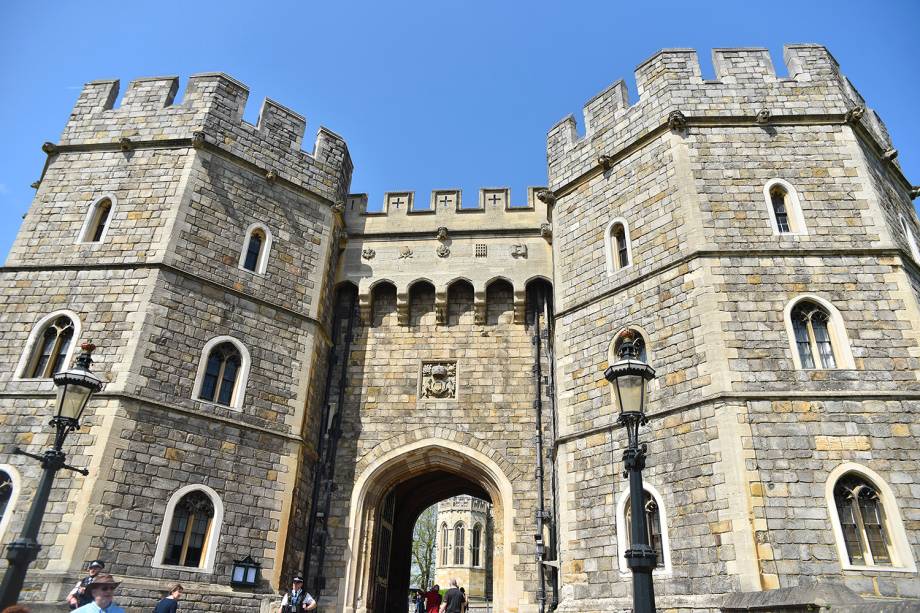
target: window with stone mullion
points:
(253, 251)
(850, 529)
(779, 211)
(802, 341)
(870, 510)
(52, 357)
(823, 340)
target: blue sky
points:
(428, 94)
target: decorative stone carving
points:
(442, 233)
(889, 155)
(547, 196)
(439, 380)
(368, 254)
(546, 231)
(914, 192)
(198, 139)
(125, 143)
(405, 253)
(763, 117)
(270, 175)
(605, 161)
(677, 121)
(854, 114)
(443, 251)
(519, 251)
(34, 185)
(339, 208)
(49, 148)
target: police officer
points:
(79, 595)
(297, 599)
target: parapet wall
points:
(746, 88)
(402, 212)
(211, 113)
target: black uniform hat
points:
(97, 564)
(297, 579)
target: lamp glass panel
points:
(629, 388)
(251, 575)
(71, 399)
(238, 572)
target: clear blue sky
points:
(428, 94)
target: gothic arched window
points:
(652, 526)
(458, 543)
(810, 323)
(220, 375)
(619, 249)
(444, 547)
(49, 354)
(476, 545)
(254, 256)
(862, 520)
(783, 207)
(97, 221)
(190, 530)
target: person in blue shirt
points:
(102, 589)
(170, 604)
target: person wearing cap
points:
(297, 599)
(78, 595)
(102, 590)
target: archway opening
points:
(394, 489)
(398, 515)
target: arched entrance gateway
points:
(390, 493)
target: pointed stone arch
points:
(416, 453)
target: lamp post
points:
(74, 388)
(629, 376)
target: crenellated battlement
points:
(746, 88)
(402, 212)
(211, 113)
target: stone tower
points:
(163, 284)
(762, 219)
(464, 536)
(294, 375)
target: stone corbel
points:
(442, 233)
(440, 306)
(763, 117)
(479, 307)
(546, 196)
(270, 175)
(365, 308)
(125, 144)
(49, 148)
(198, 139)
(402, 308)
(854, 114)
(914, 192)
(605, 161)
(520, 306)
(546, 231)
(889, 155)
(677, 121)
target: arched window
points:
(190, 530)
(817, 335)
(783, 208)
(9, 491)
(444, 546)
(652, 525)
(867, 527)
(97, 221)
(619, 248)
(476, 545)
(911, 240)
(256, 247)
(458, 544)
(50, 353)
(222, 372)
(188, 534)
(656, 528)
(862, 520)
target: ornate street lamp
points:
(75, 386)
(629, 376)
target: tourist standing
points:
(453, 599)
(170, 604)
(419, 601)
(433, 599)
